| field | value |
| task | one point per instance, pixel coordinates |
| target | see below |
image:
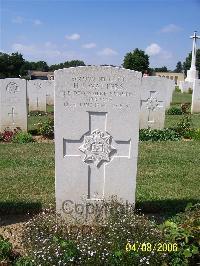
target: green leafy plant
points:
(190, 91)
(5, 249)
(37, 113)
(174, 111)
(185, 108)
(46, 128)
(184, 230)
(158, 135)
(177, 89)
(22, 137)
(24, 261)
(49, 240)
(184, 127)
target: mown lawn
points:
(168, 176)
(167, 179)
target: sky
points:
(99, 31)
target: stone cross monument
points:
(193, 73)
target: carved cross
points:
(152, 104)
(99, 149)
(12, 114)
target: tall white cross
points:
(12, 114)
(152, 104)
(98, 152)
(193, 62)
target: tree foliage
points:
(187, 63)
(10, 65)
(179, 67)
(161, 69)
(14, 66)
(136, 60)
(67, 64)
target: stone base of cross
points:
(97, 148)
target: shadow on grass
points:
(14, 207)
(164, 208)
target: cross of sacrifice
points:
(194, 49)
(152, 104)
(12, 114)
(98, 151)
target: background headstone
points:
(49, 87)
(13, 104)
(96, 133)
(185, 86)
(152, 104)
(196, 97)
(36, 95)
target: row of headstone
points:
(155, 95)
(195, 108)
(185, 86)
(40, 93)
(98, 112)
(13, 104)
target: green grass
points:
(168, 172)
(172, 120)
(26, 176)
(168, 176)
(34, 120)
(179, 97)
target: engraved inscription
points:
(97, 92)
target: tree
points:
(67, 64)
(10, 65)
(136, 60)
(187, 63)
(179, 67)
(161, 69)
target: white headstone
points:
(13, 104)
(36, 95)
(96, 133)
(49, 87)
(196, 97)
(152, 104)
(185, 86)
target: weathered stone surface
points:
(185, 86)
(96, 133)
(13, 104)
(153, 100)
(36, 95)
(196, 97)
(49, 87)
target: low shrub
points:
(8, 134)
(174, 111)
(177, 89)
(185, 108)
(5, 249)
(184, 230)
(190, 91)
(184, 127)
(46, 128)
(22, 137)
(51, 241)
(158, 134)
(37, 113)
